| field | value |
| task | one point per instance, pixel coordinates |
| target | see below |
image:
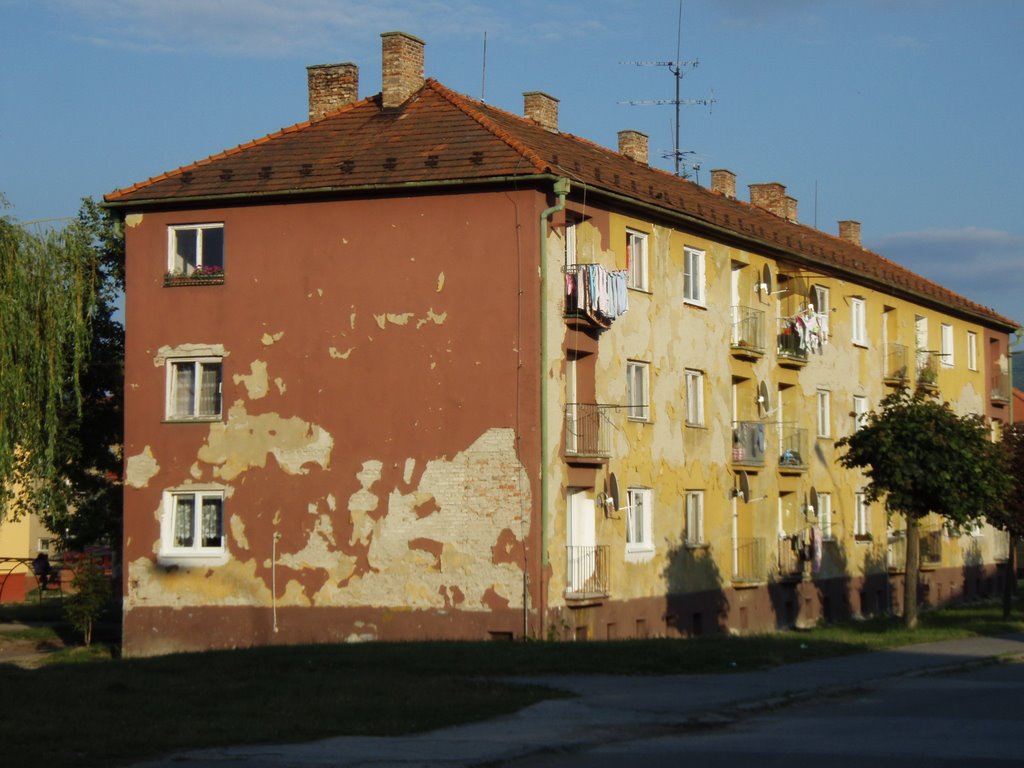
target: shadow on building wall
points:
(696, 603)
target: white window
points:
(695, 517)
(825, 514)
(570, 243)
(194, 388)
(638, 520)
(824, 413)
(636, 260)
(693, 276)
(947, 345)
(637, 390)
(858, 320)
(861, 515)
(196, 248)
(819, 294)
(192, 528)
(972, 350)
(860, 411)
(694, 398)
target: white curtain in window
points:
(211, 521)
(184, 388)
(209, 395)
(184, 521)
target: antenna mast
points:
(676, 67)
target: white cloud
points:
(984, 265)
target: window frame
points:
(822, 301)
(646, 504)
(171, 395)
(637, 260)
(860, 411)
(172, 553)
(201, 266)
(859, 321)
(824, 512)
(861, 516)
(824, 413)
(947, 357)
(694, 272)
(972, 351)
(694, 511)
(694, 393)
(638, 410)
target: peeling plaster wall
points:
(380, 409)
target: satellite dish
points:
(764, 399)
(744, 490)
(613, 490)
(813, 501)
(766, 281)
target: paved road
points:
(967, 719)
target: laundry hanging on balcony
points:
(810, 329)
(596, 292)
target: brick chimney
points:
(791, 208)
(633, 145)
(850, 231)
(542, 109)
(331, 87)
(724, 183)
(401, 67)
(770, 197)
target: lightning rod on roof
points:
(483, 76)
(676, 67)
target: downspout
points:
(561, 189)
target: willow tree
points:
(921, 457)
(48, 283)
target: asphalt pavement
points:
(611, 713)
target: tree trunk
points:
(1009, 578)
(911, 576)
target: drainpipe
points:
(561, 189)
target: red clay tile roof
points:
(441, 136)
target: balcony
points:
(748, 561)
(793, 449)
(748, 442)
(748, 337)
(588, 430)
(927, 371)
(931, 548)
(586, 572)
(790, 346)
(895, 369)
(896, 552)
(1000, 383)
(791, 565)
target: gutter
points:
(561, 189)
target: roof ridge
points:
(118, 193)
(466, 105)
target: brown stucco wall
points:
(380, 396)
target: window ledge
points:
(191, 559)
(174, 281)
(193, 419)
(695, 545)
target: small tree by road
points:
(1010, 517)
(921, 457)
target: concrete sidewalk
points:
(609, 709)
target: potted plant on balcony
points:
(198, 276)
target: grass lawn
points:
(117, 711)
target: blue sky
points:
(903, 114)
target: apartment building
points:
(421, 368)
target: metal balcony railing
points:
(1000, 386)
(793, 447)
(791, 565)
(588, 430)
(789, 344)
(748, 442)
(748, 560)
(587, 572)
(896, 552)
(748, 330)
(894, 365)
(931, 547)
(927, 370)
(1001, 546)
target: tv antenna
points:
(677, 67)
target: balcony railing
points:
(748, 560)
(791, 565)
(587, 572)
(931, 547)
(789, 343)
(748, 442)
(793, 448)
(927, 370)
(896, 552)
(588, 430)
(1000, 386)
(1001, 546)
(895, 366)
(748, 330)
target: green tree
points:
(1010, 517)
(60, 373)
(90, 597)
(921, 457)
